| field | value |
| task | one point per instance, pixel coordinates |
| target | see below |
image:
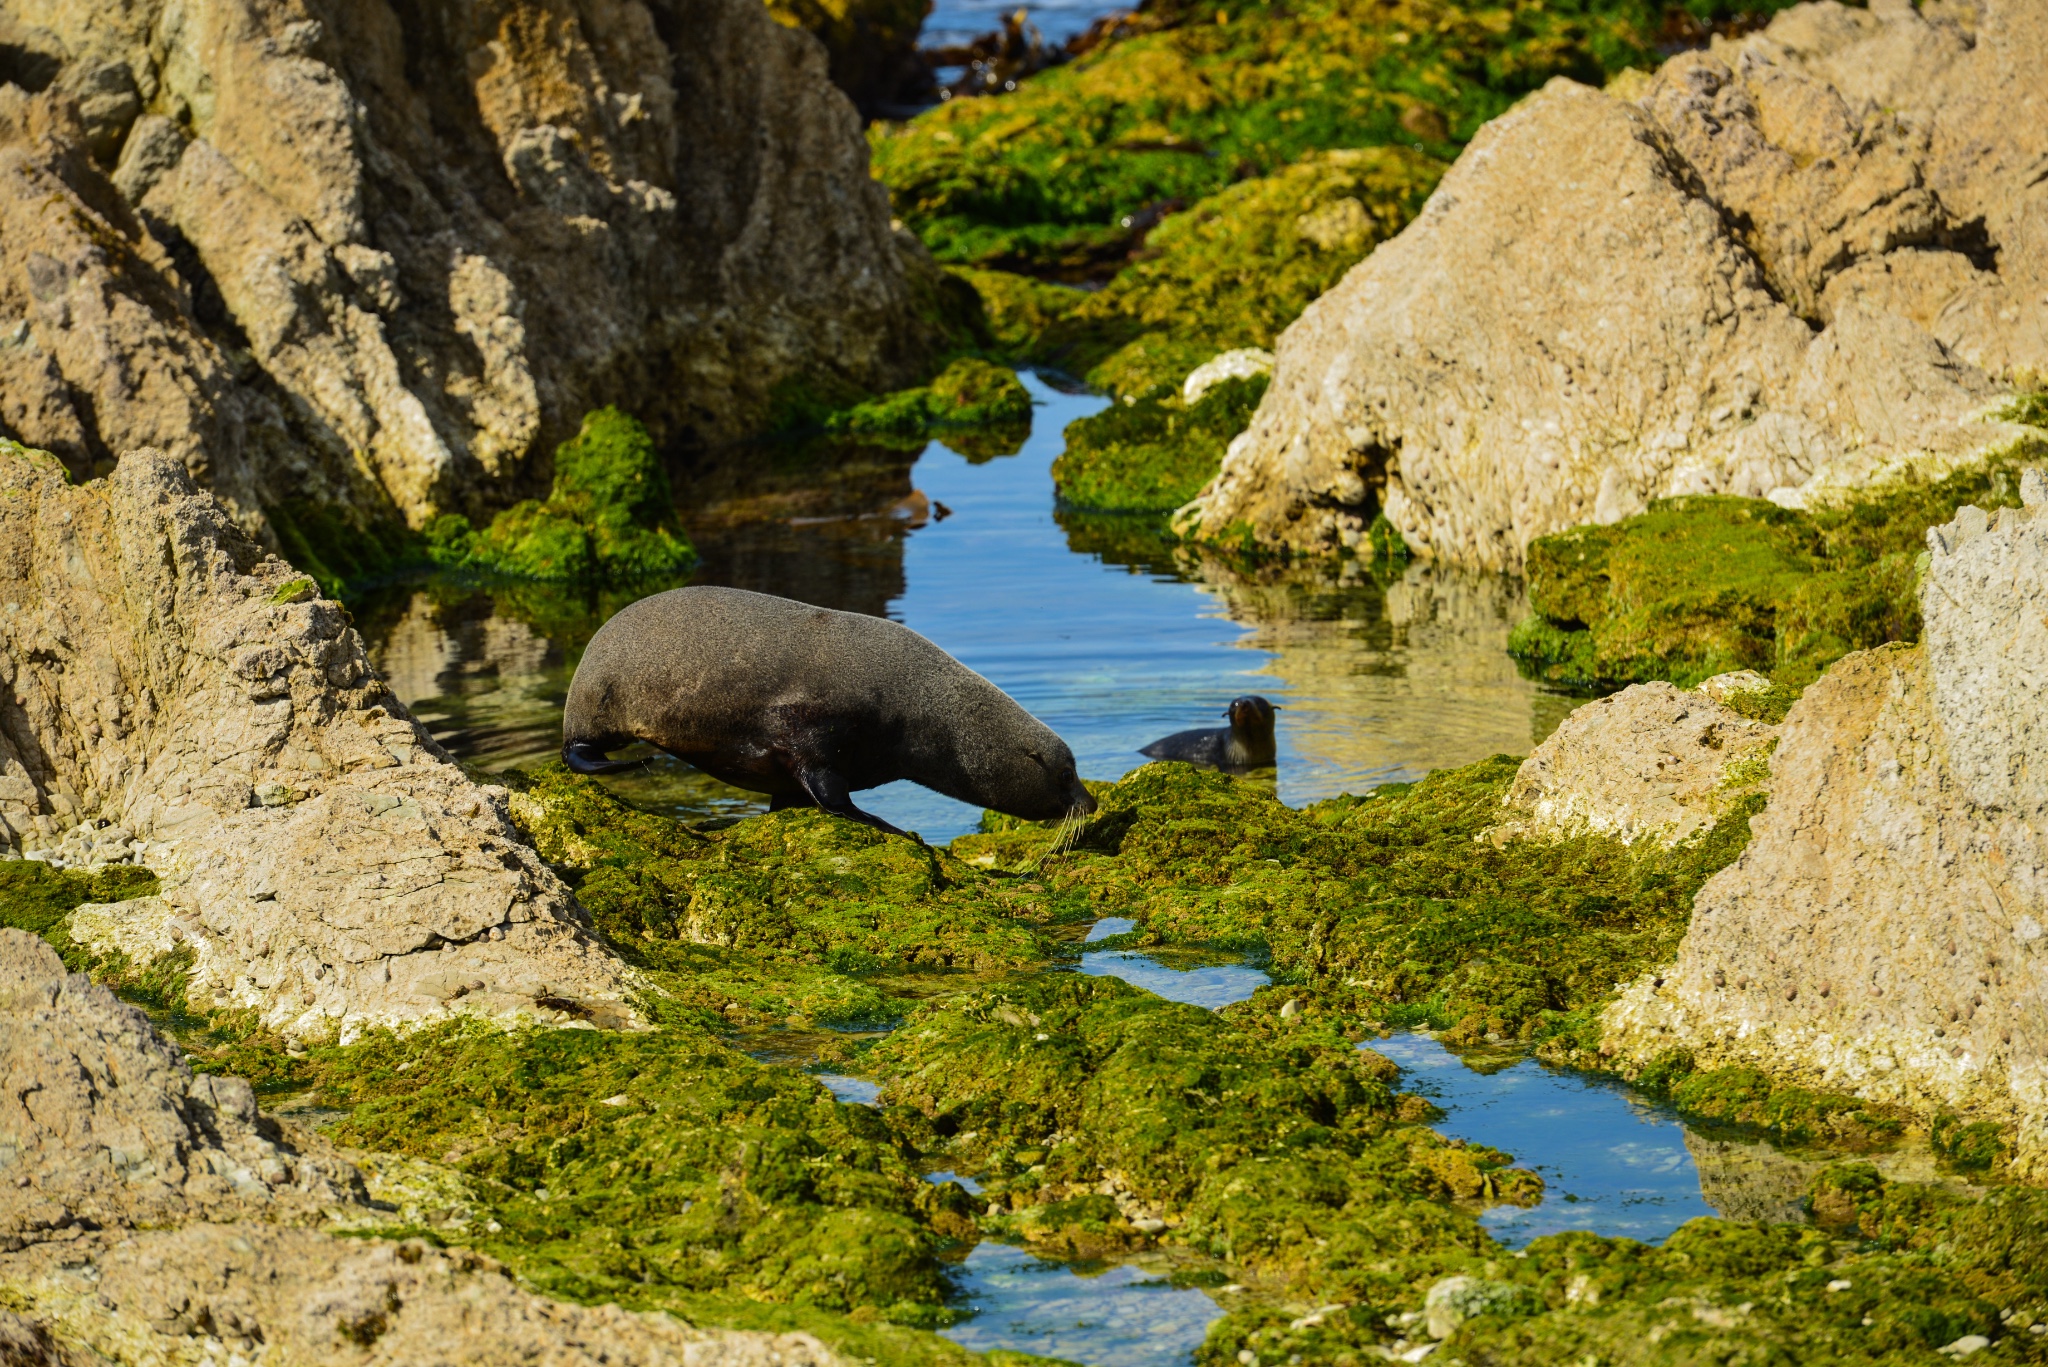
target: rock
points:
(1795, 264)
(104, 1125)
(148, 1214)
(346, 258)
(1241, 364)
(1882, 935)
(1651, 762)
(321, 859)
(1454, 1300)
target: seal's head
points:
(1251, 715)
(1029, 773)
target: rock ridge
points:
(1790, 265)
(321, 859)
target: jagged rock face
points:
(1650, 762)
(103, 1125)
(378, 254)
(1884, 934)
(321, 858)
(148, 1215)
(1795, 263)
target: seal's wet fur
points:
(809, 706)
(1247, 743)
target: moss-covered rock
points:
(978, 407)
(36, 897)
(1154, 454)
(603, 523)
(1699, 586)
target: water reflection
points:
(1127, 1315)
(1611, 1162)
(1214, 985)
(1099, 627)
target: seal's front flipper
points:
(830, 792)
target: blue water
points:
(1109, 926)
(960, 21)
(1611, 1162)
(1118, 1316)
(945, 1175)
(1213, 986)
(851, 1090)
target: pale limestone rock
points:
(1241, 364)
(1651, 762)
(1883, 934)
(321, 858)
(322, 253)
(148, 1215)
(1800, 262)
(104, 1125)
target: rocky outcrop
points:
(321, 859)
(1796, 262)
(151, 1215)
(1651, 762)
(1883, 934)
(380, 254)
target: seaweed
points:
(1153, 454)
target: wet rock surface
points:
(321, 859)
(1783, 266)
(280, 239)
(1882, 932)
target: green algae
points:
(1063, 177)
(1393, 907)
(346, 551)
(603, 523)
(977, 407)
(1153, 454)
(1701, 585)
(37, 898)
(1752, 1100)
(1235, 269)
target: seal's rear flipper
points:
(587, 757)
(830, 792)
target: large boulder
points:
(1886, 931)
(377, 255)
(1799, 261)
(151, 1215)
(322, 860)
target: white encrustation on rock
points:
(1241, 364)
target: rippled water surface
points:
(1087, 629)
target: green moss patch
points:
(603, 523)
(977, 407)
(1154, 454)
(36, 897)
(1698, 586)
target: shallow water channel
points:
(1113, 640)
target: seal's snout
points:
(1081, 802)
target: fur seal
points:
(1247, 743)
(809, 705)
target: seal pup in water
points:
(1247, 743)
(809, 706)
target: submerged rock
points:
(1883, 932)
(347, 257)
(1794, 264)
(322, 861)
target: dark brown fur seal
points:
(809, 706)
(1247, 743)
